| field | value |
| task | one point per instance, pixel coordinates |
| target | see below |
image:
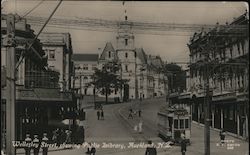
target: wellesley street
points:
(124, 78)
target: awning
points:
(186, 95)
(224, 96)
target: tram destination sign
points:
(181, 112)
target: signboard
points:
(181, 112)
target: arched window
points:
(126, 42)
(126, 55)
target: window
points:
(186, 123)
(51, 54)
(85, 91)
(182, 124)
(135, 54)
(126, 55)
(94, 67)
(176, 124)
(85, 67)
(126, 68)
(126, 42)
(109, 54)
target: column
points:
(198, 113)
(213, 117)
(246, 124)
(238, 121)
(221, 118)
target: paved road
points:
(117, 129)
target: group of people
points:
(37, 141)
(100, 114)
(131, 113)
(61, 136)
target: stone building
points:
(84, 68)
(228, 59)
(38, 98)
(58, 49)
(143, 72)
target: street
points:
(117, 129)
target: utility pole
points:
(207, 104)
(10, 83)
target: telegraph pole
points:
(207, 104)
(207, 112)
(10, 83)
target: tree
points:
(106, 80)
(176, 77)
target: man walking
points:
(102, 115)
(98, 114)
(150, 150)
(222, 136)
(183, 146)
(130, 114)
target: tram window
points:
(182, 124)
(186, 123)
(176, 124)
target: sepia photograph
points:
(124, 77)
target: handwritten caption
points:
(104, 145)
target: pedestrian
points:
(130, 114)
(93, 150)
(55, 135)
(28, 141)
(183, 146)
(88, 149)
(37, 145)
(98, 114)
(45, 141)
(60, 138)
(139, 112)
(150, 150)
(222, 136)
(102, 115)
(68, 136)
(140, 127)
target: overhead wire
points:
(33, 9)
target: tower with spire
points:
(127, 55)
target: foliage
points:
(107, 79)
(176, 77)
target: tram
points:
(173, 124)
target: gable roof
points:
(85, 57)
(141, 55)
(108, 47)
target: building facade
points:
(39, 102)
(143, 72)
(227, 49)
(84, 68)
(58, 49)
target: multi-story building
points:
(84, 68)
(224, 50)
(58, 49)
(143, 72)
(39, 102)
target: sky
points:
(171, 48)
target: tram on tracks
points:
(173, 124)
